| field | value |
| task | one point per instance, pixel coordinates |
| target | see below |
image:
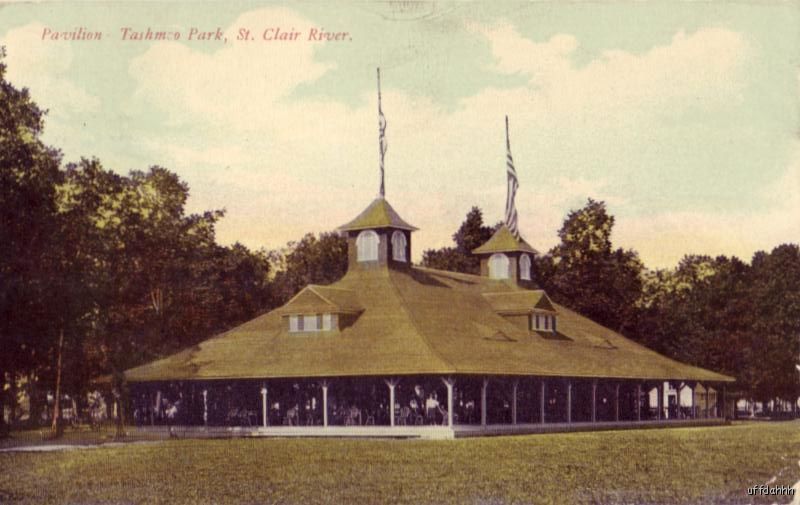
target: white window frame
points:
(525, 267)
(399, 246)
(312, 323)
(501, 270)
(367, 244)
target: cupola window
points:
(399, 245)
(367, 246)
(498, 266)
(525, 267)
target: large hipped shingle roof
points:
(421, 321)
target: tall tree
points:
(28, 176)
(314, 259)
(587, 274)
(471, 234)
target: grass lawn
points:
(678, 465)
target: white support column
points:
(264, 420)
(205, 407)
(391, 383)
(616, 401)
(707, 400)
(542, 395)
(569, 401)
(514, 387)
(660, 402)
(449, 382)
(693, 389)
(324, 385)
(594, 401)
(484, 387)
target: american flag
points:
(513, 185)
(382, 143)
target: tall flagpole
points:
(511, 190)
(382, 144)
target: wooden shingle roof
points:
(378, 214)
(420, 321)
(504, 241)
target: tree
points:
(587, 274)
(471, 234)
(775, 298)
(314, 259)
(28, 176)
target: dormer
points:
(378, 238)
(506, 257)
(529, 309)
(320, 309)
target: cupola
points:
(377, 238)
(506, 257)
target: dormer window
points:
(525, 267)
(399, 245)
(498, 266)
(543, 322)
(309, 323)
(367, 246)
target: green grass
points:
(678, 465)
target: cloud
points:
(283, 167)
(43, 67)
(662, 240)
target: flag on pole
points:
(513, 184)
(382, 144)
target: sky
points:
(682, 117)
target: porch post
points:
(638, 402)
(707, 400)
(449, 382)
(325, 403)
(542, 392)
(616, 402)
(569, 401)
(660, 402)
(264, 405)
(483, 400)
(205, 407)
(594, 401)
(514, 387)
(391, 383)
(693, 387)
(724, 411)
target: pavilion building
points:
(395, 349)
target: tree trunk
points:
(57, 427)
(4, 428)
(12, 400)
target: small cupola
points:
(506, 255)
(377, 238)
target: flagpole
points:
(381, 135)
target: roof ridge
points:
(311, 287)
(417, 326)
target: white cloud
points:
(662, 240)
(42, 67)
(283, 167)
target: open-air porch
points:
(421, 406)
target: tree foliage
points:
(471, 234)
